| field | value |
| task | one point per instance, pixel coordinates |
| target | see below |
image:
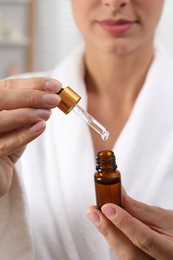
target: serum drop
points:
(107, 179)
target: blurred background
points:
(35, 35)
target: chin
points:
(121, 47)
(115, 49)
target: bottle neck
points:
(105, 160)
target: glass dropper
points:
(69, 102)
(100, 129)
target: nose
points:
(116, 4)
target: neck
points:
(117, 75)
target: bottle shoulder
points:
(108, 173)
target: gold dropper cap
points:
(69, 98)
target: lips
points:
(116, 26)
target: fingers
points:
(20, 126)
(28, 98)
(39, 83)
(148, 214)
(14, 140)
(17, 118)
(25, 106)
(119, 242)
(35, 92)
(154, 244)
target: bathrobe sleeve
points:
(13, 217)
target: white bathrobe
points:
(44, 215)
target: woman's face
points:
(118, 26)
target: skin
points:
(23, 116)
(88, 13)
(138, 231)
(116, 64)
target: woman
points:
(126, 83)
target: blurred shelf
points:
(14, 2)
(17, 31)
(14, 43)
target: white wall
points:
(165, 30)
(56, 33)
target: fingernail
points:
(43, 113)
(52, 99)
(93, 217)
(53, 85)
(38, 126)
(108, 211)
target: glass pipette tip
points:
(101, 130)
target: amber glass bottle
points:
(107, 179)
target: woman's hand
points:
(138, 231)
(25, 105)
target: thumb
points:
(15, 156)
